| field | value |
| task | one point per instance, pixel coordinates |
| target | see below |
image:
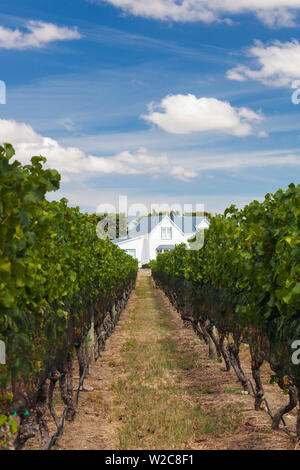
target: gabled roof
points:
(186, 223)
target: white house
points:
(157, 234)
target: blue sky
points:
(162, 101)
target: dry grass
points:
(155, 388)
(157, 409)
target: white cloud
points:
(90, 198)
(273, 13)
(70, 161)
(184, 114)
(75, 165)
(277, 18)
(277, 64)
(182, 174)
(243, 160)
(130, 163)
(37, 35)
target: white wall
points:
(155, 239)
(139, 244)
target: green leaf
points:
(296, 290)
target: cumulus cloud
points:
(36, 35)
(274, 13)
(70, 161)
(184, 114)
(277, 64)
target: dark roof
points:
(165, 247)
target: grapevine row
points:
(57, 279)
(243, 286)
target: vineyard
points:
(62, 291)
(243, 287)
(57, 281)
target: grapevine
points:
(56, 279)
(243, 286)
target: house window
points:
(131, 253)
(166, 233)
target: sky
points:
(165, 102)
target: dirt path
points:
(155, 388)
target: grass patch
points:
(113, 363)
(130, 344)
(236, 390)
(155, 408)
